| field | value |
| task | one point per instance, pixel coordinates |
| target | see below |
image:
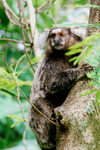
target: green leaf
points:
(4, 73)
(53, 1)
(15, 117)
(36, 59)
(88, 92)
(98, 97)
(73, 59)
(91, 83)
(74, 24)
(18, 61)
(5, 93)
(70, 24)
(86, 41)
(21, 83)
(90, 74)
(82, 6)
(14, 124)
(73, 52)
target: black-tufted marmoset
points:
(52, 82)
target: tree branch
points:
(19, 6)
(24, 137)
(52, 19)
(21, 106)
(10, 14)
(26, 24)
(42, 7)
(33, 27)
(94, 17)
(12, 40)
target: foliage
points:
(7, 84)
(51, 5)
(81, 6)
(21, 70)
(78, 24)
(19, 120)
(91, 54)
(10, 137)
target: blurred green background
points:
(11, 138)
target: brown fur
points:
(52, 81)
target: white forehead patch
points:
(57, 31)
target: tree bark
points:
(79, 115)
(94, 17)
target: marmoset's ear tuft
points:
(69, 30)
(43, 39)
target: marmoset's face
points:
(58, 39)
(61, 38)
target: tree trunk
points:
(94, 17)
(79, 115)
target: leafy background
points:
(11, 138)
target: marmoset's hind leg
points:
(43, 129)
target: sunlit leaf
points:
(5, 93)
(98, 97)
(36, 59)
(72, 52)
(73, 59)
(88, 92)
(15, 117)
(82, 6)
(14, 124)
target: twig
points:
(52, 19)
(13, 18)
(5, 51)
(10, 14)
(34, 31)
(12, 40)
(25, 95)
(19, 5)
(21, 105)
(24, 137)
(42, 7)
(26, 24)
(23, 70)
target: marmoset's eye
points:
(62, 35)
(53, 35)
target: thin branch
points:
(24, 137)
(22, 70)
(25, 95)
(26, 24)
(19, 6)
(52, 19)
(14, 18)
(12, 40)
(10, 14)
(5, 51)
(10, 10)
(26, 33)
(42, 7)
(21, 105)
(34, 31)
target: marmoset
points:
(52, 82)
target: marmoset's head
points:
(60, 39)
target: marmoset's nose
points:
(56, 40)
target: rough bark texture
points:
(94, 17)
(80, 125)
